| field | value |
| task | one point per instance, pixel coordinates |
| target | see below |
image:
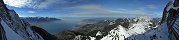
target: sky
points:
(87, 8)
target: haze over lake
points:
(67, 23)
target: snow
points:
(10, 34)
(144, 18)
(98, 33)
(34, 35)
(141, 30)
(15, 29)
(161, 33)
(135, 19)
(111, 23)
(121, 33)
(92, 38)
(78, 37)
(138, 33)
(171, 6)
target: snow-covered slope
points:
(13, 28)
(138, 27)
(10, 34)
(159, 33)
(121, 33)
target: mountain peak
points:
(13, 28)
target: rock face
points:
(45, 35)
(170, 16)
(13, 28)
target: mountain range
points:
(12, 27)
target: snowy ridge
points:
(143, 19)
(160, 33)
(139, 28)
(139, 31)
(168, 30)
(10, 34)
(121, 33)
(14, 28)
(98, 33)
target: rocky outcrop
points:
(13, 28)
(170, 16)
(45, 35)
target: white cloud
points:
(97, 10)
(17, 3)
(45, 4)
(151, 6)
(31, 12)
(88, 6)
(36, 4)
(39, 4)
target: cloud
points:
(35, 4)
(88, 6)
(39, 4)
(17, 3)
(31, 12)
(152, 6)
(93, 10)
(44, 4)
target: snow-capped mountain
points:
(39, 19)
(141, 28)
(13, 28)
(139, 31)
(119, 29)
(121, 33)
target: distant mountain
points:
(118, 29)
(39, 19)
(94, 20)
(140, 28)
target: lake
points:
(67, 23)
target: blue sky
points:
(87, 8)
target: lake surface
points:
(67, 23)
